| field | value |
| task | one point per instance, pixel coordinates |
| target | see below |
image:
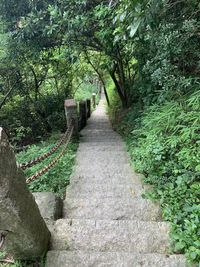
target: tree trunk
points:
(120, 91)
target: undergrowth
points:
(17, 263)
(164, 144)
(57, 178)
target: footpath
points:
(106, 222)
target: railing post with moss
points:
(23, 232)
(82, 114)
(72, 115)
(88, 102)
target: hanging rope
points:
(54, 161)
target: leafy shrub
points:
(115, 103)
(28, 122)
(85, 91)
(165, 146)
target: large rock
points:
(27, 235)
(50, 205)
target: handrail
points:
(39, 159)
(54, 161)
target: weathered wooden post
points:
(83, 114)
(25, 233)
(72, 114)
(88, 101)
(94, 100)
(100, 88)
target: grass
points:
(18, 263)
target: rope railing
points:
(39, 159)
(65, 139)
(54, 161)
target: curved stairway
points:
(106, 222)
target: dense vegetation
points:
(162, 125)
(146, 55)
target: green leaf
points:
(134, 27)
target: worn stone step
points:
(110, 235)
(136, 193)
(106, 166)
(112, 146)
(106, 190)
(100, 133)
(104, 142)
(102, 162)
(89, 188)
(111, 208)
(101, 137)
(91, 131)
(92, 125)
(112, 259)
(109, 156)
(104, 169)
(100, 180)
(107, 177)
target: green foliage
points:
(32, 127)
(115, 103)
(52, 50)
(18, 263)
(167, 67)
(57, 178)
(165, 146)
(85, 91)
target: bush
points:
(85, 91)
(28, 122)
(165, 146)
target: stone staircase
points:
(106, 222)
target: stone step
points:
(104, 169)
(136, 193)
(102, 191)
(111, 208)
(97, 131)
(112, 259)
(106, 164)
(100, 179)
(101, 137)
(110, 235)
(112, 146)
(108, 178)
(108, 157)
(104, 142)
(98, 125)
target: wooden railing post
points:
(72, 114)
(25, 232)
(83, 114)
(88, 101)
(94, 100)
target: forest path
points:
(106, 221)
